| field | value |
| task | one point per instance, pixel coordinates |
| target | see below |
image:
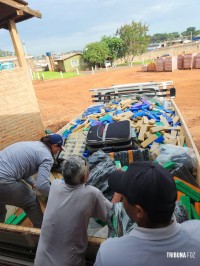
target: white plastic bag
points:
(177, 154)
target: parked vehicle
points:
(107, 63)
(18, 243)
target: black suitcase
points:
(110, 137)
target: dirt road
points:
(62, 100)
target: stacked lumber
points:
(151, 67)
(180, 61)
(187, 61)
(197, 61)
(160, 64)
(170, 63)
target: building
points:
(19, 111)
(69, 62)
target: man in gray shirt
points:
(18, 162)
(149, 195)
(71, 203)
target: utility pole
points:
(26, 56)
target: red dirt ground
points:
(62, 100)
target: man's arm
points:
(102, 207)
(43, 177)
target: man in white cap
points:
(18, 162)
(149, 196)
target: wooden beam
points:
(22, 7)
(20, 12)
(17, 44)
(6, 19)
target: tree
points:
(96, 53)
(191, 29)
(135, 39)
(159, 37)
(115, 45)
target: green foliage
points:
(115, 46)
(162, 37)
(5, 53)
(135, 39)
(197, 32)
(96, 52)
(159, 37)
(191, 29)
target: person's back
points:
(21, 160)
(18, 162)
(149, 196)
(178, 244)
(63, 238)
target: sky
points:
(68, 25)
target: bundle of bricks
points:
(197, 61)
(171, 63)
(144, 68)
(160, 67)
(151, 67)
(161, 64)
(188, 61)
(180, 62)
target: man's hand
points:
(34, 187)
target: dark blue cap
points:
(56, 139)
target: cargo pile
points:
(156, 133)
(171, 63)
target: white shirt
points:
(176, 244)
(63, 238)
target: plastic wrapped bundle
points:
(178, 155)
(119, 223)
(101, 166)
(180, 213)
(183, 173)
(127, 157)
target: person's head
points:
(149, 193)
(54, 142)
(75, 170)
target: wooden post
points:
(17, 44)
(77, 71)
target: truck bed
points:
(19, 243)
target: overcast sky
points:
(71, 24)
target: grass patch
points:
(48, 75)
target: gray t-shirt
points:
(176, 244)
(63, 238)
(24, 159)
